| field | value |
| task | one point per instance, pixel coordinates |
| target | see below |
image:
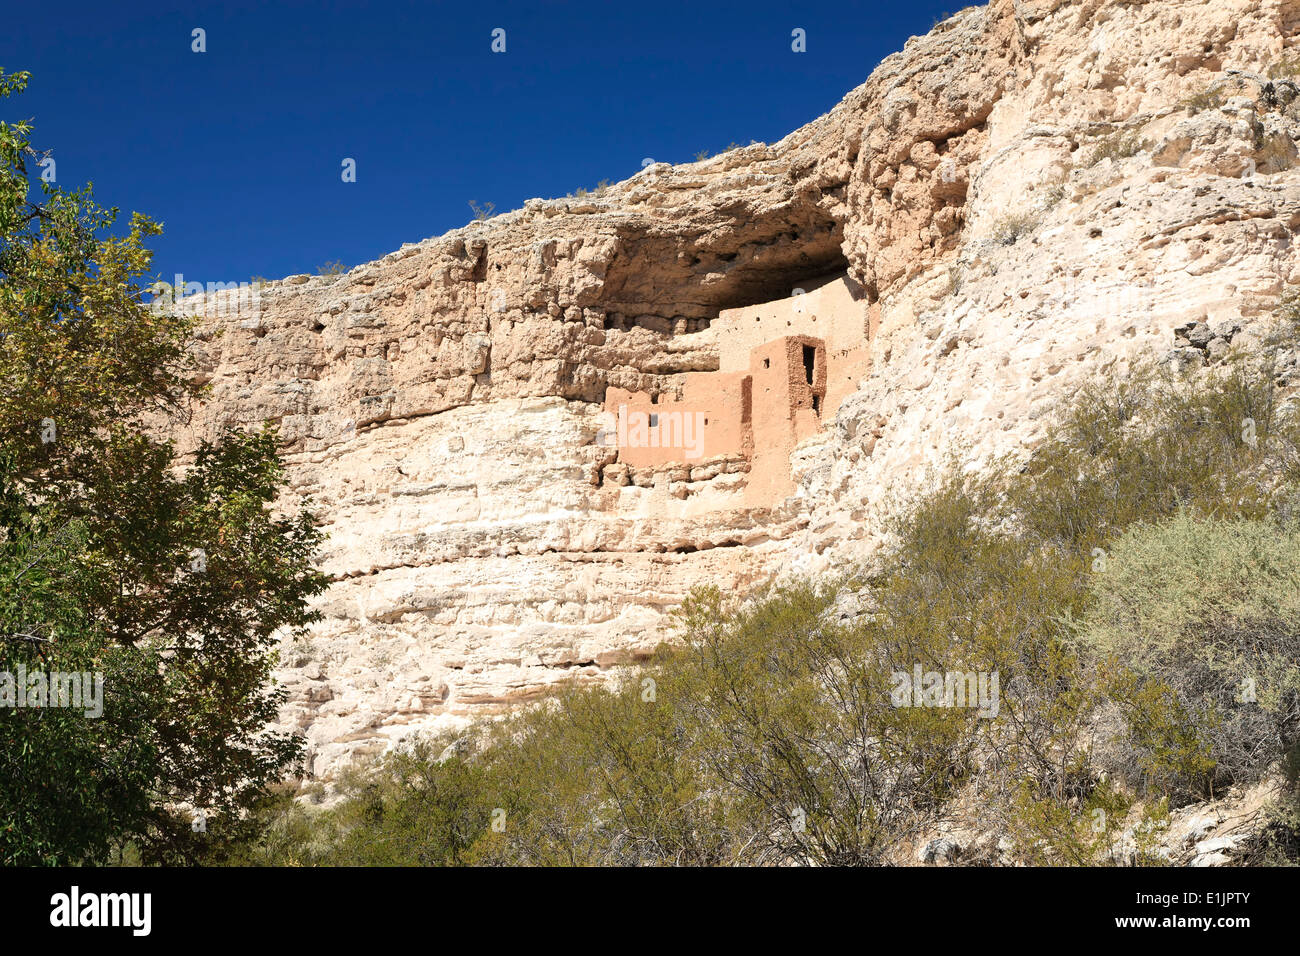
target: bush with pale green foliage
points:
(1203, 615)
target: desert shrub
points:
(1053, 832)
(1210, 98)
(603, 776)
(769, 736)
(290, 833)
(1143, 444)
(414, 807)
(1202, 618)
(1011, 228)
(335, 268)
(1286, 332)
(1002, 598)
(1129, 448)
(1115, 146)
(1277, 843)
(1053, 193)
(1138, 448)
(954, 279)
(420, 811)
(795, 714)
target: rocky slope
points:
(1034, 191)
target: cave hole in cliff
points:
(740, 257)
(775, 273)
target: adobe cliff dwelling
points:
(784, 368)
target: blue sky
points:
(239, 149)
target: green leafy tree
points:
(174, 578)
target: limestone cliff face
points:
(1034, 191)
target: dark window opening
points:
(654, 420)
(767, 363)
(817, 404)
(809, 362)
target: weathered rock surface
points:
(1033, 192)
